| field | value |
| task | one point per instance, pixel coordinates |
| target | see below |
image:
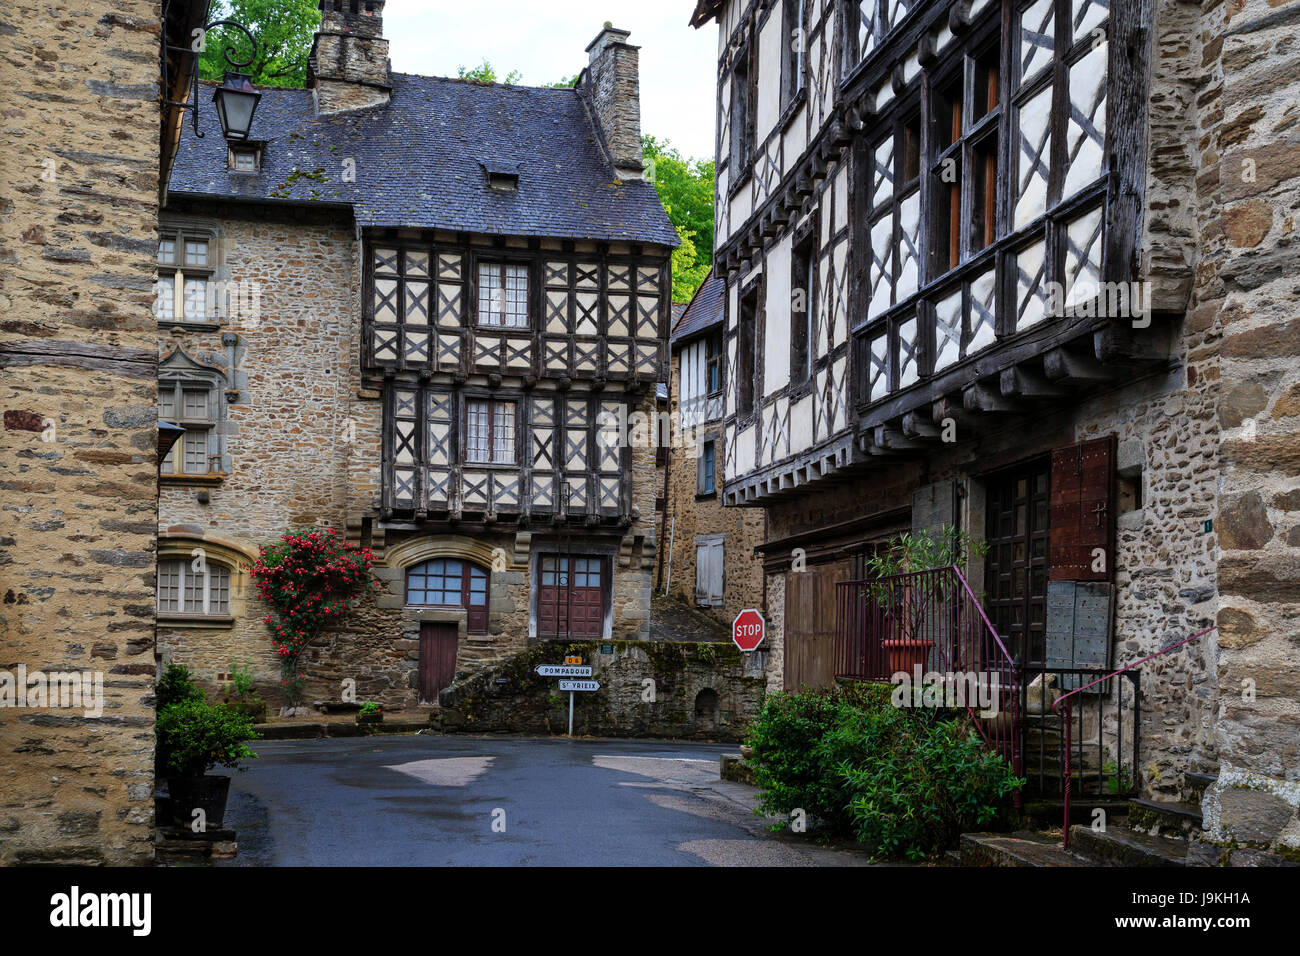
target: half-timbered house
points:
(433, 296)
(975, 276)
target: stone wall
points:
(1247, 292)
(78, 214)
(689, 515)
(647, 689)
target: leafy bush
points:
(370, 707)
(176, 685)
(196, 736)
(902, 781)
(241, 682)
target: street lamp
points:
(236, 100)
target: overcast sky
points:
(544, 40)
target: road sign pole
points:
(570, 713)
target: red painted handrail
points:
(1065, 765)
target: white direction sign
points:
(563, 670)
(580, 684)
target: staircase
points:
(1139, 832)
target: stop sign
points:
(747, 629)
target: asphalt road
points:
(501, 801)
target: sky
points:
(544, 40)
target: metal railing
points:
(1064, 706)
(931, 626)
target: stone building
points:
(1027, 269)
(708, 558)
(79, 196)
(415, 310)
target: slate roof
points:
(421, 161)
(704, 310)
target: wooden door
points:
(571, 597)
(810, 625)
(1015, 569)
(437, 659)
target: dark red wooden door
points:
(1083, 511)
(571, 597)
(437, 659)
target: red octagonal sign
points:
(747, 629)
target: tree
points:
(283, 30)
(686, 190)
(485, 73)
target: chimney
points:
(348, 65)
(612, 88)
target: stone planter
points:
(370, 718)
(255, 710)
(207, 793)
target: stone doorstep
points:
(1119, 845)
(171, 842)
(1180, 817)
(1023, 848)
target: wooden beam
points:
(981, 398)
(1119, 343)
(1061, 363)
(916, 426)
(1018, 381)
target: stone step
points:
(1121, 846)
(1199, 782)
(1168, 817)
(1023, 848)
(1049, 814)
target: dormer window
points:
(244, 158)
(503, 182)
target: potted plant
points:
(238, 695)
(906, 596)
(196, 737)
(370, 713)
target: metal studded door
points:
(1015, 569)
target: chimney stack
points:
(348, 65)
(612, 88)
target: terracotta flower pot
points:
(905, 654)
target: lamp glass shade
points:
(236, 101)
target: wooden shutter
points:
(715, 574)
(1082, 511)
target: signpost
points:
(747, 629)
(572, 667)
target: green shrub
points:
(197, 736)
(176, 685)
(370, 707)
(902, 781)
(241, 682)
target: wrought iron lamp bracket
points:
(227, 52)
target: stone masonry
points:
(78, 479)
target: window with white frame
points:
(503, 295)
(490, 432)
(193, 587)
(186, 263)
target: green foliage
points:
(486, 73)
(686, 190)
(368, 708)
(197, 736)
(925, 551)
(176, 686)
(902, 781)
(564, 82)
(241, 682)
(283, 30)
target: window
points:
(741, 99)
(745, 346)
(571, 596)
(450, 582)
(185, 589)
(503, 182)
(706, 468)
(490, 432)
(794, 65)
(186, 263)
(713, 363)
(244, 159)
(192, 405)
(803, 271)
(502, 295)
(709, 571)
